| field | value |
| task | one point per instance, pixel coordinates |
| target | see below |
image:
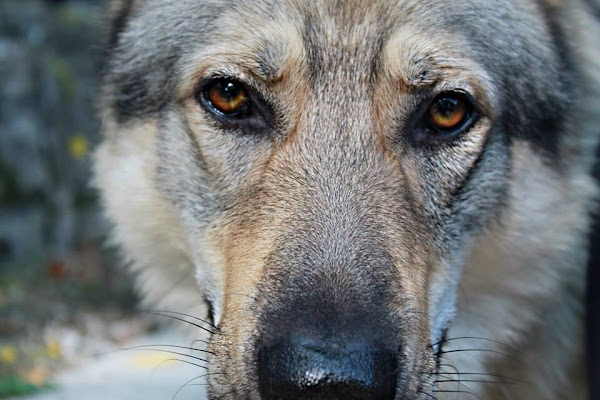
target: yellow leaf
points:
(79, 146)
(8, 354)
(53, 349)
(36, 376)
(150, 360)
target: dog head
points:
(325, 169)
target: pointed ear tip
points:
(119, 3)
(118, 12)
(120, 9)
(552, 4)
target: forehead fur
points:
(513, 40)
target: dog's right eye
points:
(234, 106)
(227, 97)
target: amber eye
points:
(227, 97)
(449, 112)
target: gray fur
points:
(333, 202)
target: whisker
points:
(427, 394)
(454, 368)
(197, 384)
(180, 313)
(482, 350)
(192, 380)
(473, 381)
(182, 320)
(451, 366)
(458, 382)
(457, 391)
(164, 351)
(477, 338)
(449, 379)
(183, 361)
(199, 341)
(167, 345)
(485, 374)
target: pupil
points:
(227, 98)
(230, 91)
(447, 106)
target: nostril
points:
(301, 369)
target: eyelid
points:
(249, 84)
(481, 97)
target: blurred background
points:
(63, 297)
(65, 303)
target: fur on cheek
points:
(149, 233)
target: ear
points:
(119, 12)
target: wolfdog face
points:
(355, 184)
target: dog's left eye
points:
(444, 118)
(450, 113)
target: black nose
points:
(304, 367)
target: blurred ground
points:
(63, 297)
(133, 375)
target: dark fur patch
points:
(536, 92)
(143, 93)
(141, 74)
(549, 128)
(310, 36)
(593, 299)
(477, 186)
(118, 22)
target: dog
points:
(363, 200)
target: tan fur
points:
(523, 279)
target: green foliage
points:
(11, 386)
(64, 75)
